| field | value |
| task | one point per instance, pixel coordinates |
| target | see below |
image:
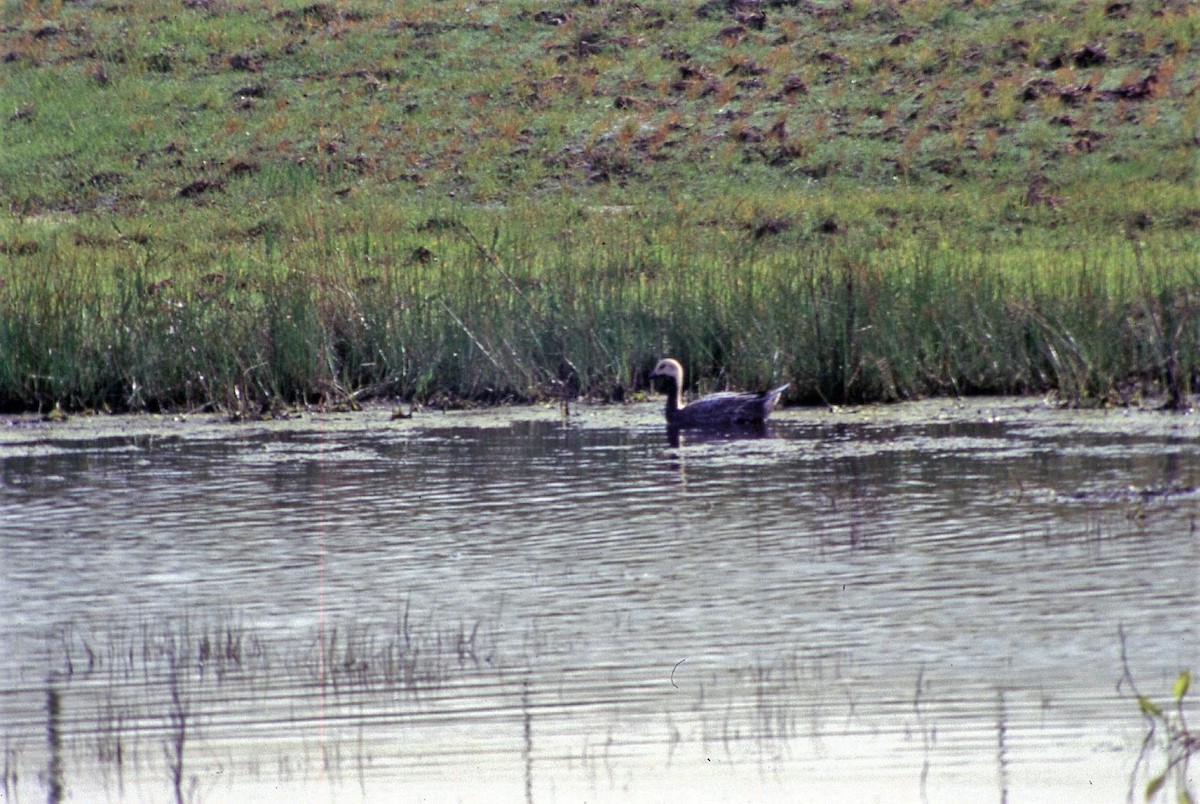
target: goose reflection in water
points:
(677, 436)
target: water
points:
(922, 602)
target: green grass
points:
(1169, 745)
(219, 204)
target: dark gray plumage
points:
(726, 409)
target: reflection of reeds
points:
(110, 741)
(1003, 762)
(527, 743)
(8, 782)
(402, 657)
(218, 649)
(177, 733)
(152, 704)
(54, 771)
(176, 688)
(762, 710)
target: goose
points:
(723, 409)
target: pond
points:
(926, 602)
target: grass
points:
(248, 206)
(1169, 744)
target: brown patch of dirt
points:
(200, 187)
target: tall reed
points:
(459, 303)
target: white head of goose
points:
(726, 409)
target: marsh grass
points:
(506, 306)
(1169, 745)
(248, 208)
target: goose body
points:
(725, 409)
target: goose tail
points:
(771, 399)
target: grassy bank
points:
(212, 204)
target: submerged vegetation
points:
(173, 689)
(245, 206)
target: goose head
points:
(669, 368)
(671, 371)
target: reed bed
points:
(468, 304)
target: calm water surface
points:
(920, 602)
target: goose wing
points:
(729, 406)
